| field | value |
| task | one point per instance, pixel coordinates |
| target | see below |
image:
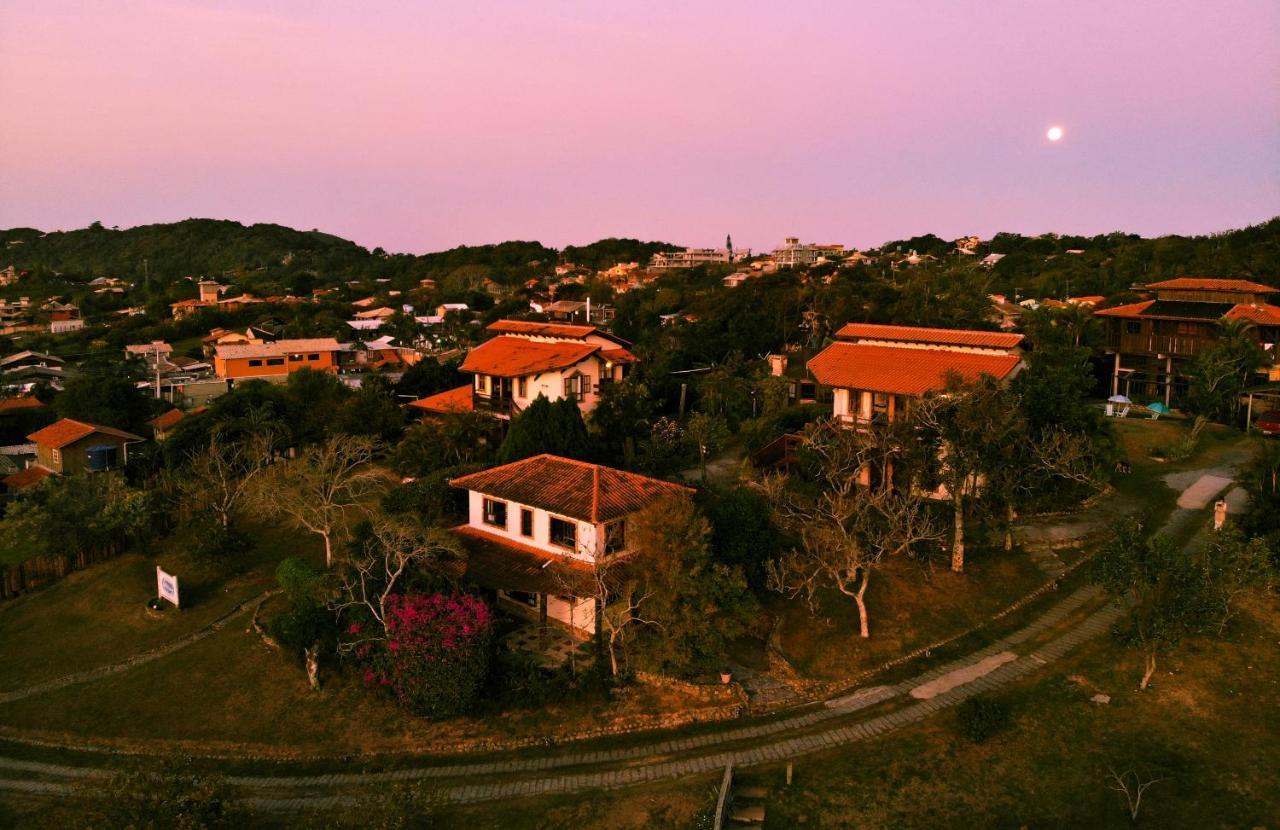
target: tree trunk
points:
(864, 624)
(613, 658)
(328, 550)
(1010, 516)
(313, 665)
(1151, 669)
(957, 545)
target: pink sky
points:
(418, 126)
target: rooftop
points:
(576, 489)
(279, 348)
(540, 329)
(454, 400)
(27, 477)
(941, 337)
(510, 357)
(67, 431)
(1208, 284)
(902, 371)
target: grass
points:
(909, 607)
(98, 616)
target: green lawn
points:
(98, 616)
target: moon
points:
(1054, 134)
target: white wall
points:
(541, 539)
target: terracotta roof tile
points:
(619, 355)
(511, 357)
(543, 329)
(943, 337)
(170, 419)
(902, 371)
(1208, 284)
(28, 477)
(1263, 315)
(66, 431)
(21, 402)
(1130, 310)
(576, 489)
(454, 400)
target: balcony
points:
(1158, 344)
(503, 407)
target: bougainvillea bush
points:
(435, 655)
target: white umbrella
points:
(1119, 399)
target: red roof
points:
(67, 431)
(588, 492)
(618, 355)
(944, 337)
(27, 478)
(1130, 310)
(495, 561)
(1263, 315)
(455, 400)
(513, 357)
(1206, 284)
(20, 402)
(543, 329)
(170, 419)
(902, 370)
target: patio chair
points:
(1124, 413)
(1155, 414)
(1111, 410)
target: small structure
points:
(278, 359)
(68, 446)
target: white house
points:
(538, 529)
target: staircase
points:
(780, 452)
(746, 806)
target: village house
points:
(692, 257)
(538, 529)
(276, 360)
(208, 297)
(1151, 342)
(529, 358)
(67, 447)
(22, 371)
(793, 253)
(162, 426)
(875, 371)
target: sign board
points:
(167, 586)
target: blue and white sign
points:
(167, 586)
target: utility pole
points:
(155, 354)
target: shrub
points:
(436, 653)
(980, 717)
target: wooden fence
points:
(39, 571)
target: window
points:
(615, 536)
(495, 513)
(573, 387)
(295, 358)
(564, 533)
(1133, 328)
(1191, 329)
(57, 456)
(275, 361)
(482, 384)
(526, 522)
(522, 387)
(313, 357)
(255, 362)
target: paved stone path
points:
(136, 660)
(759, 743)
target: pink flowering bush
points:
(436, 653)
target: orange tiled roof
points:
(454, 400)
(941, 337)
(28, 477)
(540, 328)
(512, 357)
(587, 492)
(1130, 310)
(66, 431)
(170, 419)
(902, 371)
(1263, 315)
(1207, 284)
(619, 355)
(495, 561)
(20, 402)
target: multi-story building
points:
(539, 529)
(692, 257)
(875, 372)
(793, 252)
(1151, 342)
(528, 359)
(266, 360)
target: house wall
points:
(238, 367)
(74, 457)
(541, 539)
(551, 384)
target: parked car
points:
(1269, 422)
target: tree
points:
(97, 514)
(1219, 374)
(846, 522)
(443, 441)
(622, 418)
(427, 377)
(318, 490)
(1235, 565)
(106, 394)
(707, 433)
(217, 481)
(967, 429)
(1168, 592)
(695, 605)
(546, 427)
(372, 411)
